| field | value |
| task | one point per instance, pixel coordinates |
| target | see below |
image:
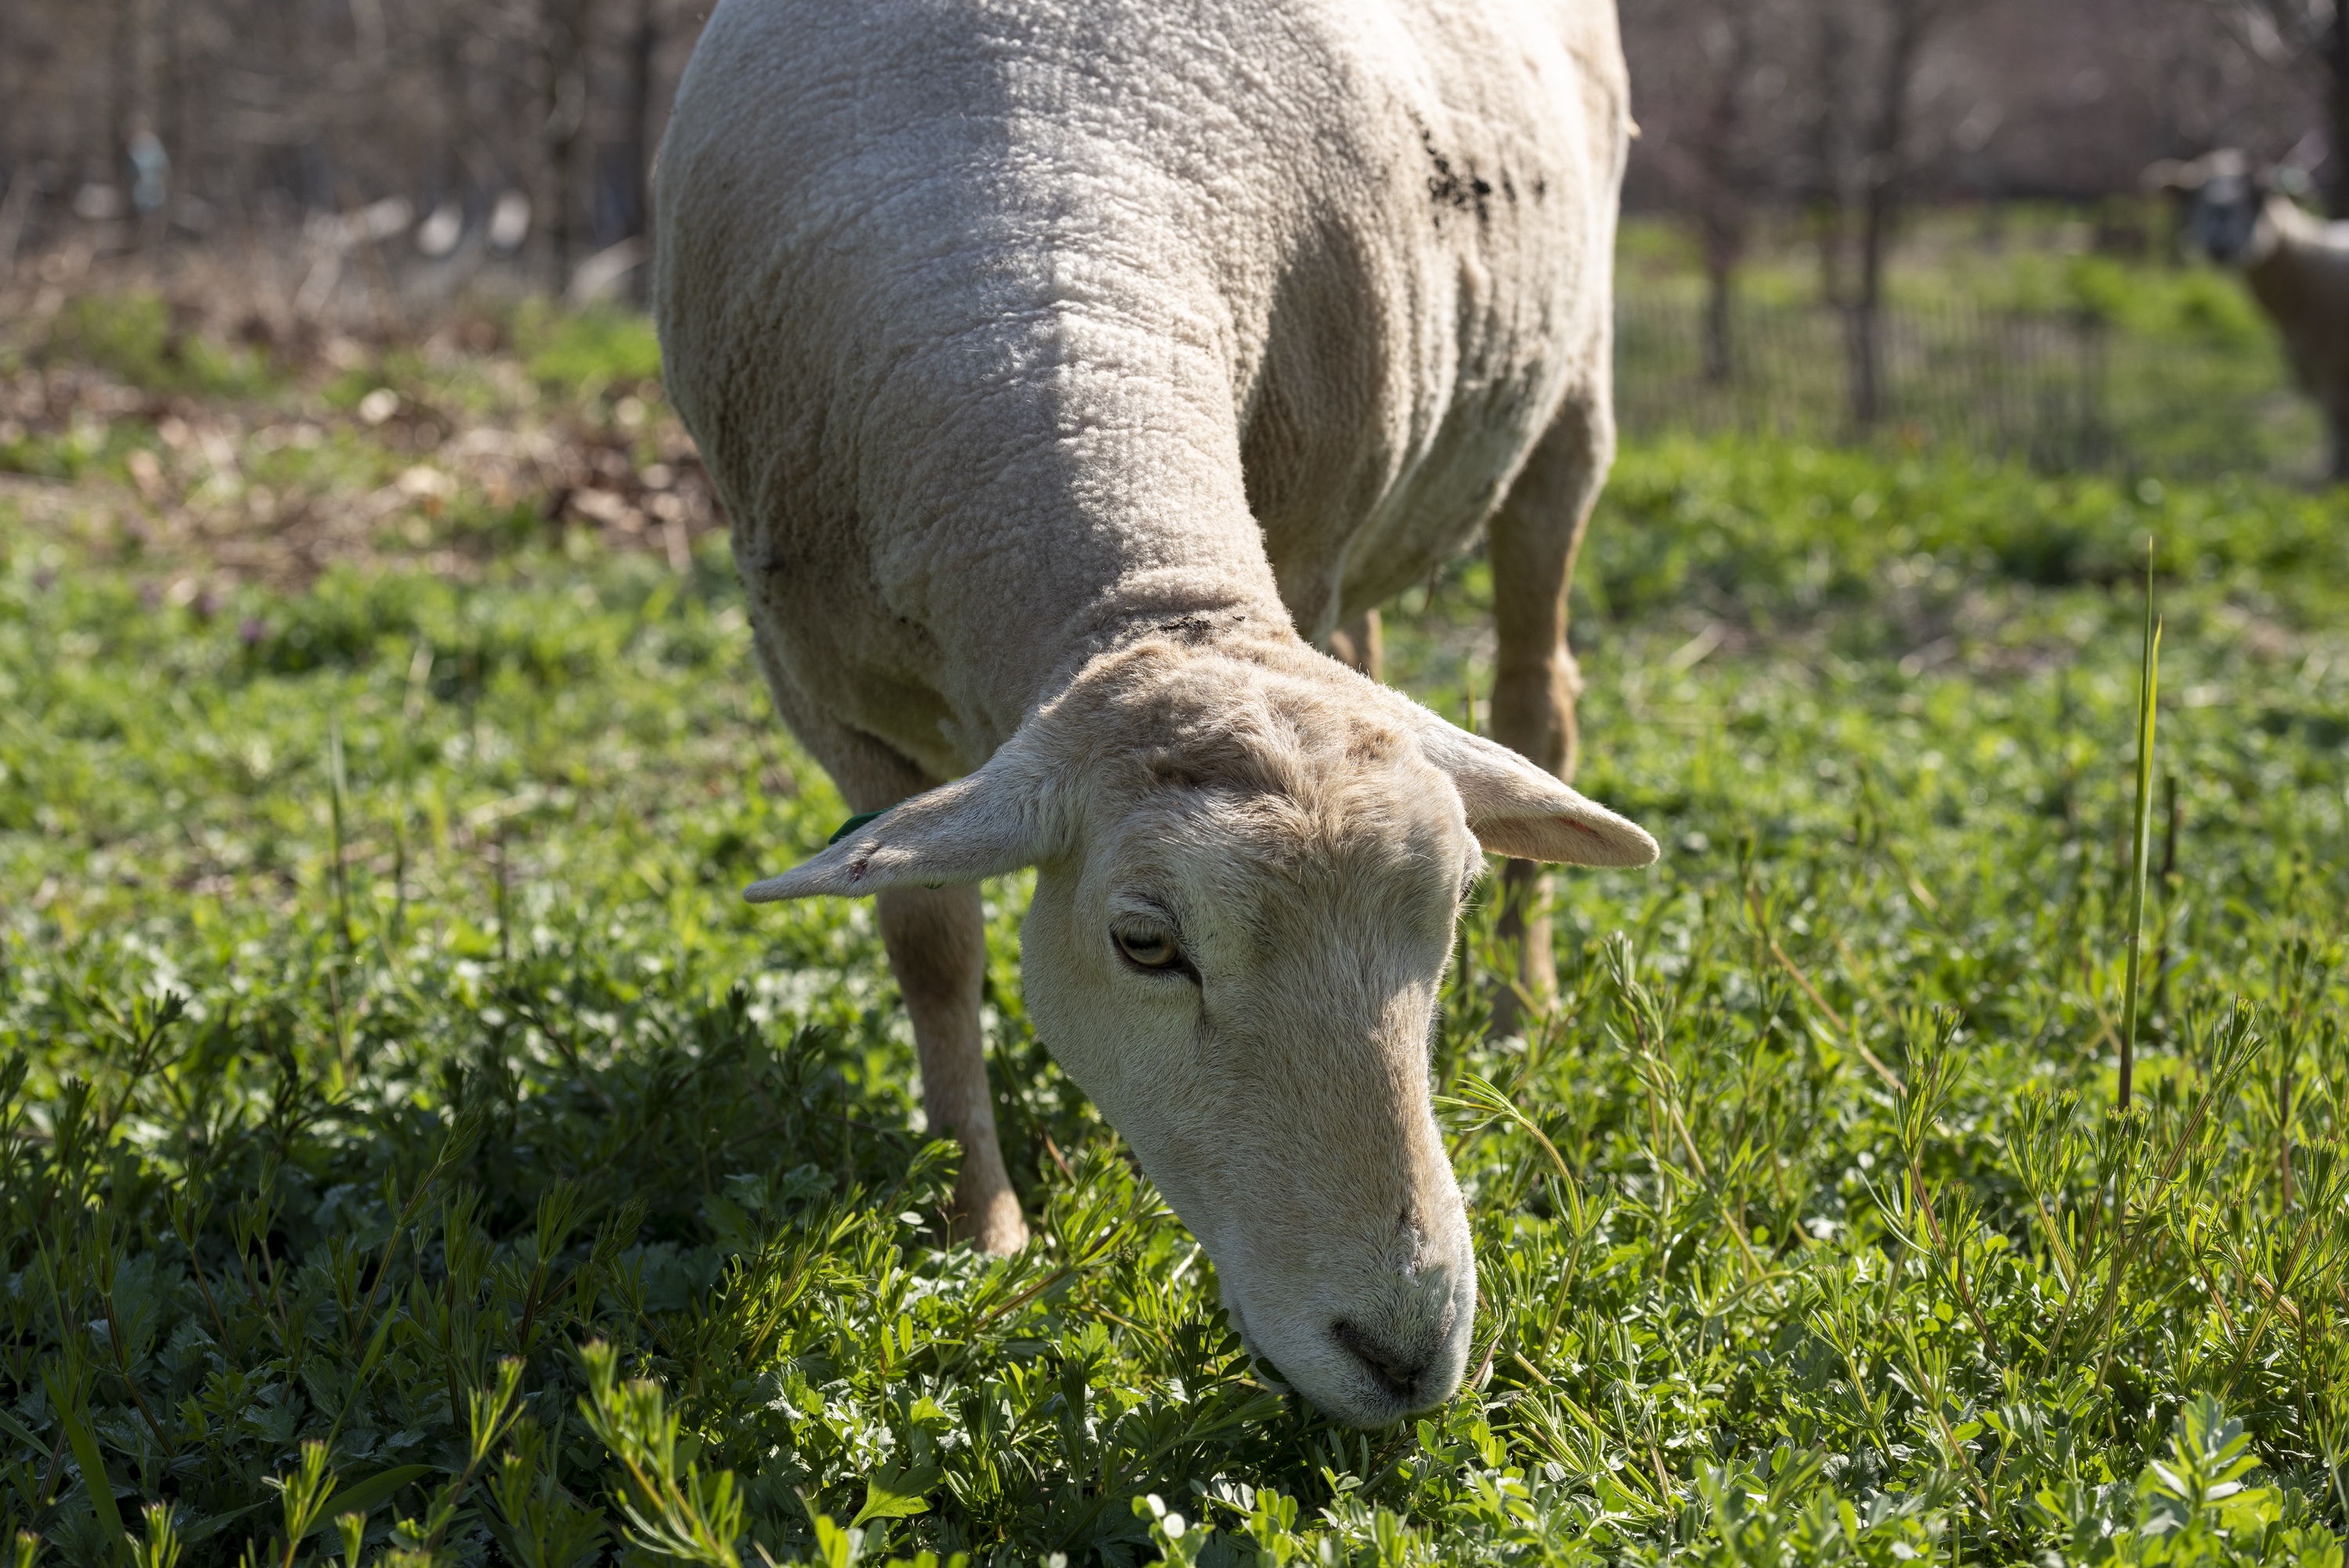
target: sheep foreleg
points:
(936, 940)
(1359, 645)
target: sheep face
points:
(1248, 869)
(2224, 217)
(2222, 201)
(1243, 982)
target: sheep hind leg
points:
(1534, 537)
(936, 940)
(1359, 645)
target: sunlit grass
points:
(1809, 1228)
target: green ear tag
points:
(851, 825)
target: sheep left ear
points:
(1515, 809)
(979, 826)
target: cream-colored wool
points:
(2298, 269)
(2296, 265)
(1065, 366)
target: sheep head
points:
(1250, 862)
(2224, 197)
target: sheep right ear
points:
(1515, 809)
(2166, 174)
(981, 825)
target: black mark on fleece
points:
(1196, 629)
(1462, 187)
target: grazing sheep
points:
(2297, 267)
(1065, 366)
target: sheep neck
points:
(1120, 513)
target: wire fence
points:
(2065, 392)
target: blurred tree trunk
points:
(449, 171)
(171, 90)
(122, 91)
(644, 44)
(1724, 215)
(1831, 66)
(562, 27)
(2337, 99)
(1710, 161)
(1886, 157)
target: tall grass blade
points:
(337, 789)
(73, 1415)
(2148, 688)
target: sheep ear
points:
(2289, 180)
(2165, 174)
(979, 826)
(1515, 809)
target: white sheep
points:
(1065, 366)
(2297, 267)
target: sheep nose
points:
(1393, 1370)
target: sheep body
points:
(1351, 294)
(2298, 269)
(1064, 365)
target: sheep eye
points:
(1148, 949)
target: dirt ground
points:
(186, 415)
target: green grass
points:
(2005, 330)
(586, 350)
(448, 1110)
(2020, 258)
(135, 337)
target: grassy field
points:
(413, 1152)
(2011, 328)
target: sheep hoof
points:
(994, 1225)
